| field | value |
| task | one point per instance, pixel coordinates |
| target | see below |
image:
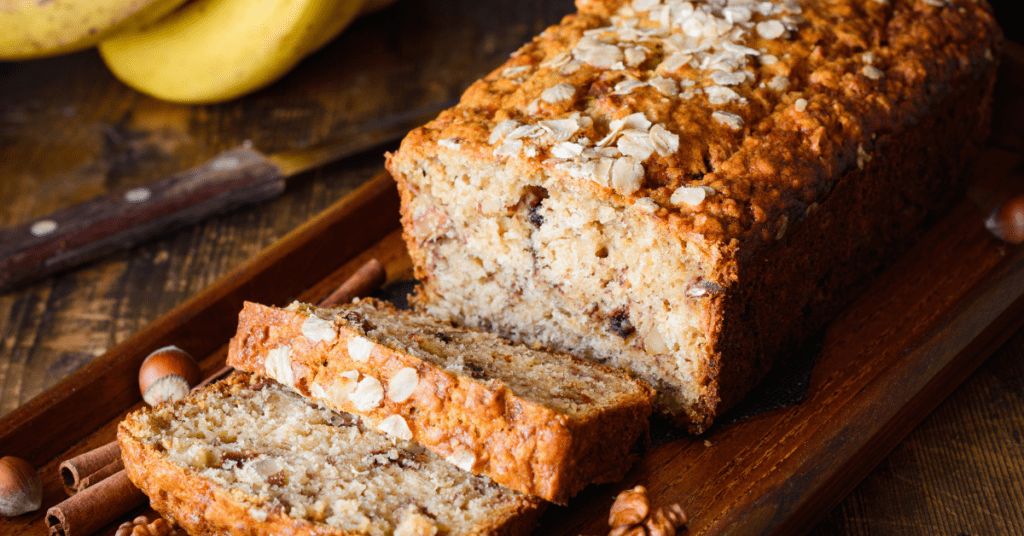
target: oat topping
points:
(403, 384)
(627, 175)
(450, 143)
(368, 394)
(317, 329)
(770, 29)
(558, 93)
(395, 426)
(681, 50)
(730, 120)
(647, 204)
(778, 83)
(359, 348)
(279, 365)
(800, 105)
(872, 72)
(664, 141)
(463, 458)
(690, 195)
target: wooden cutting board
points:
(886, 362)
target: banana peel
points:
(215, 50)
(36, 28)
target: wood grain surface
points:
(69, 131)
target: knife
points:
(126, 217)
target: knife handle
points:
(129, 216)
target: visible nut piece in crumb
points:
(403, 384)
(358, 321)
(620, 325)
(317, 329)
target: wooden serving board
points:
(886, 362)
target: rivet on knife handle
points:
(126, 217)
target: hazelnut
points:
(21, 489)
(167, 374)
(1007, 221)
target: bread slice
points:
(248, 456)
(543, 423)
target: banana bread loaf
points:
(247, 456)
(688, 189)
(542, 423)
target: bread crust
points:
(518, 443)
(884, 106)
(202, 507)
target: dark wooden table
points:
(69, 131)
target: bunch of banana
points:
(36, 28)
(197, 51)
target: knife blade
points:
(126, 217)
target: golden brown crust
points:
(784, 158)
(518, 443)
(200, 506)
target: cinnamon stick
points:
(94, 507)
(108, 470)
(73, 471)
(368, 278)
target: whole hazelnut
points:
(21, 489)
(167, 374)
(1007, 221)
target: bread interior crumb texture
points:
(288, 456)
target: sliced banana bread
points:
(543, 423)
(249, 456)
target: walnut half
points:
(631, 515)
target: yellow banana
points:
(215, 50)
(38, 28)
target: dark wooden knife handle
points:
(126, 217)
